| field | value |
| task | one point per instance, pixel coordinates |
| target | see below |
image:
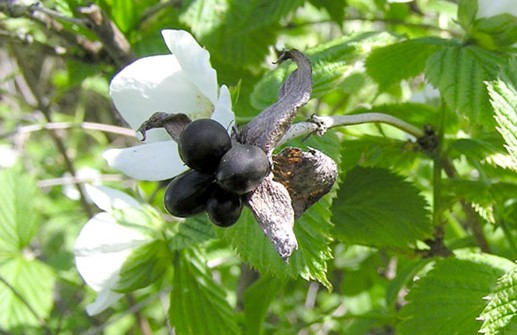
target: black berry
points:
(224, 208)
(242, 168)
(202, 144)
(188, 193)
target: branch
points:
(68, 125)
(113, 41)
(320, 124)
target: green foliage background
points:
(411, 240)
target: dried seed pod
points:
(188, 193)
(242, 168)
(202, 144)
(224, 208)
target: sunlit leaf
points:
(191, 231)
(499, 316)
(459, 73)
(18, 222)
(145, 265)
(449, 298)
(26, 295)
(503, 97)
(312, 231)
(393, 63)
(331, 62)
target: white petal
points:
(223, 109)
(105, 299)
(102, 247)
(107, 198)
(194, 60)
(156, 84)
(487, 8)
(154, 161)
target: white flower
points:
(488, 8)
(103, 245)
(182, 82)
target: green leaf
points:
(459, 73)
(503, 97)
(467, 10)
(391, 64)
(253, 247)
(144, 266)
(257, 299)
(18, 222)
(377, 208)
(483, 192)
(451, 296)
(238, 32)
(499, 315)
(26, 293)
(379, 151)
(312, 231)
(331, 62)
(198, 303)
(191, 231)
(495, 32)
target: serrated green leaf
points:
(495, 32)
(450, 297)
(312, 231)
(503, 97)
(253, 247)
(460, 74)
(331, 62)
(499, 315)
(198, 303)
(474, 149)
(482, 192)
(309, 261)
(257, 299)
(144, 266)
(238, 32)
(18, 223)
(393, 63)
(377, 208)
(191, 231)
(30, 283)
(377, 151)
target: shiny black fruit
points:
(242, 168)
(202, 144)
(188, 193)
(224, 208)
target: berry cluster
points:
(221, 173)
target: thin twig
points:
(46, 183)
(67, 125)
(319, 124)
(113, 41)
